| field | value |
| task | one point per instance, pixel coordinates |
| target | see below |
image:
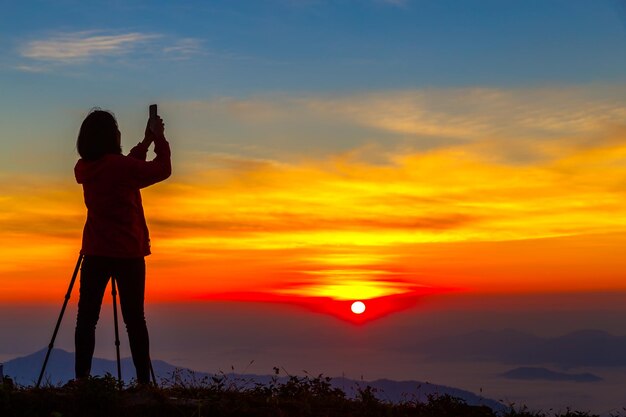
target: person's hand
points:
(156, 126)
(148, 136)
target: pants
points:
(130, 277)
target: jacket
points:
(116, 225)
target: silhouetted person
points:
(115, 237)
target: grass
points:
(217, 396)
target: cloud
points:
(530, 166)
(31, 68)
(479, 113)
(83, 45)
(443, 195)
(184, 48)
(518, 126)
(60, 50)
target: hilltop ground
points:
(298, 397)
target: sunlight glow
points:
(348, 289)
(528, 200)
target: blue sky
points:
(235, 48)
(61, 58)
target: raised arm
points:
(146, 173)
(140, 151)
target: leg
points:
(94, 276)
(130, 276)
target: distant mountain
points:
(593, 348)
(542, 374)
(60, 369)
(398, 391)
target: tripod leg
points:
(117, 334)
(154, 381)
(56, 328)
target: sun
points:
(358, 307)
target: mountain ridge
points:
(25, 371)
(581, 348)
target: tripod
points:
(117, 338)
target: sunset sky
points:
(327, 151)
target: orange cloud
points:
(371, 222)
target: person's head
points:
(98, 136)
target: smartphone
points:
(153, 110)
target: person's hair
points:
(98, 136)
